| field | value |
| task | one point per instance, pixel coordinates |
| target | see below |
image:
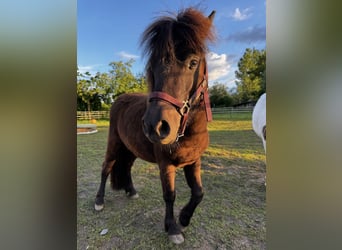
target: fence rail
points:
(225, 110)
(85, 115)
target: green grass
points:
(103, 122)
(231, 215)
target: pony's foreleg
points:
(193, 178)
(106, 169)
(167, 176)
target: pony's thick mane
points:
(173, 37)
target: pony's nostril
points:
(163, 129)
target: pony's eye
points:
(193, 64)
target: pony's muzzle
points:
(158, 132)
(161, 122)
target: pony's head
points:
(176, 69)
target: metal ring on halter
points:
(185, 109)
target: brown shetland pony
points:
(169, 126)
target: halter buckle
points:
(185, 108)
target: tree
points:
(122, 79)
(219, 95)
(251, 78)
(103, 82)
(99, 91)
(88, 93)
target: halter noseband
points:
(183, 107)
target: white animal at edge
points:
(259, 119)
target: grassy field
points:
(231, 215)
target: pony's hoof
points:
(182, 228)
(133, 196)
(177, 238)
(99, 207)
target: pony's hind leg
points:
(113, 145)
(193, 178)
(106, 169)
(121, 175)
(118, 164)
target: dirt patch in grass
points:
(231, 215)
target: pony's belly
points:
(140, 147)
(146, 156)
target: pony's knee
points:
(169, 196)
(107, 167)
(197, 196)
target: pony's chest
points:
(189, 152)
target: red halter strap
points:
(166, 97)
(184, 107)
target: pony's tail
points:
(118, 175)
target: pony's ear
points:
(211, 16)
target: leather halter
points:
(183, 107)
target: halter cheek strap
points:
(184, 107)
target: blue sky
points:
(109, 30)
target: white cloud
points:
(92, 69)
(219, 66)
(87, 68)
(84, 69)
(241, 15)
(127, 56)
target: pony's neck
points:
(198, 119)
